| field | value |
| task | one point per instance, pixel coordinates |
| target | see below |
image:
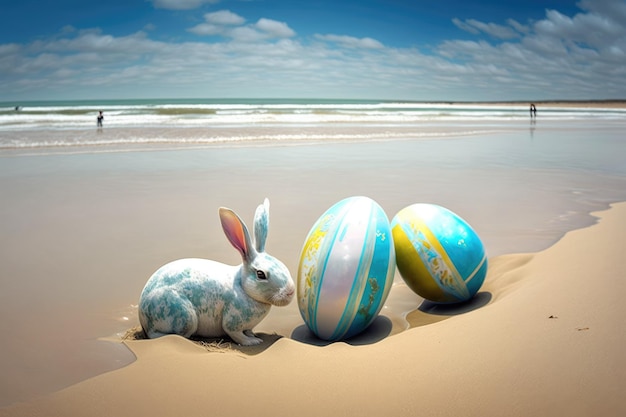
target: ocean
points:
(68, 125)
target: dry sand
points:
(545, 338)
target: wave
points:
(126, 139)
(70, 118)
(179, 122)
(353, 107)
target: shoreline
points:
(506, 357)
(116, 139)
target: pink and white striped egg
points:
(346, 269)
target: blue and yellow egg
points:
(346, 269)
(438, 254)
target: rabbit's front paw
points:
(245, 338)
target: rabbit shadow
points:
(225, 344)
(379, 329)
(430, 312)
(216, 344)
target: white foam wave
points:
(81, 141)
(260, 115)
(71, 125)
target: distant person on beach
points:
(100, 118)
(533, 110)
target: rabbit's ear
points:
(261, 225)
(236, 232)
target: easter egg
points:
(346, 269)
(439, 256)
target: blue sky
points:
(384, 49)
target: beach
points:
(84, 228)
(538, 348)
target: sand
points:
(81, 234)
(549, 342)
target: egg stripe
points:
(309, 267)
(391, 268)
(358, 284)
(409, 262)
(475, 271)
(326, 248)
(379, 279)
(421, 235)
(391, 265)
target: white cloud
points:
(475, 27)
(518, 26)
(207, 29)
(181, 4)
(245, 34)
(351, 42)
(218, 23)
(591, 28)
(464, 26)
(615, 9)
(559, 56)
(224, 17)
(93, 41)
(9, 49)
(228, 24)
(274, 28)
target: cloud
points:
(465, 26)
(602, 23)
(615, 9)
(228, 24)
(592, 28)
(492, 29)
(207, 29)
(181, 4)
(558, 56)
(224, 17)
(217, 23)
(274, 28)
(351, 42)
(245, 34)
(518, 26)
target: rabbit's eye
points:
(261, 275)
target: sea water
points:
(67, 125)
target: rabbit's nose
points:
(289, 292)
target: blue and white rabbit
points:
(200, 297)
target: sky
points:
(444, 50)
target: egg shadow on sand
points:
(429, 312)
(379, 329)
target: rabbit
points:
(200, 297)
